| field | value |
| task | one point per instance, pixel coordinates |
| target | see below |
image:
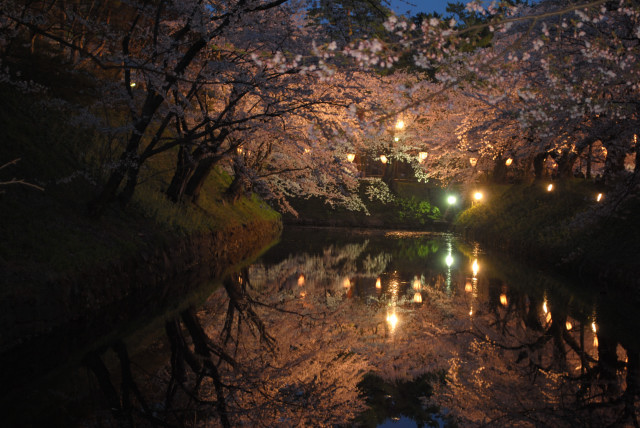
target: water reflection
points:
(288, 340)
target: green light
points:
(449, 260)
(451, 199)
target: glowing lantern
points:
(132, 84)
(503, 299)
(351, 157)
(422, 156)
(396, 139)
(399, 124)
(416, 284)
(593, 327)
(544, 307)
(303, 294)
(549, 187)
(239, 150)
(383, 159)
(548, 317)
(568, 325)
(468, 287)
(475, 268)
(451, 199)
(595, 341)
(508, 162)
(417, 298)
(477, 196)
(378, 283)
(306, 150)
(470, 312)
(599, 197)
(301, 280)
(473, 161)
(346, 283)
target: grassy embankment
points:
(45, 234)
(564, 228)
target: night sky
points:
(415, 6)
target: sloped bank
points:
(42, 332)
(566, 230)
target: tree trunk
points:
(195, 183)
(184, 169)
(614, 163)
(132, 181)
(108, 192)
(499, 173)
(565, 164)
(234, 191)
(589, 160)
(538, 165)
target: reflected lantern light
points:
(399, 124)
(473, 161)
(378, 283)
(383, 159)
(449, 260)
(475, 268)
(549, 187)
(392, 319)
(417, 298)
(508, 162)
(599, 197)
(503, 299)
(351, 157)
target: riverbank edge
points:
(599, 272)
(147, 276)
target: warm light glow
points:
(132, 84)
(473, 161)
(399, 124)
(595, 341)
(549, 187)
(468, 287)
(416, 284)
(383, 159)
(470, 312)
(593, 327)
(451, 199)
(346, 283)
(599, 197)
(474, 267)
(503, 299)
(544, 307)
(301, 280)
(449, 260)
(568, 325)
(396, 139)
(422, 156)
(378, 283)
(303, 294)
(417, 298)
(307, 150)
(351, 157)
(477, 196)
(392, 319)
(548, 317)
(239, 150)
(508, 162)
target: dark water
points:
(349, 327)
